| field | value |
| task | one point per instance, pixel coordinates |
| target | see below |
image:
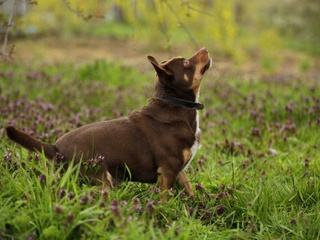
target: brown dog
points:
(156, 143)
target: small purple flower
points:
(191, 211)
(62, 193)
(255, 131)
(90, 161)
(100, 159)
(105, 194)
(157, 190)
(207, 214)
(200, 163)
(183, 196)
(115, 207)
(306, 162)
(150, 207)
(201, 204)
(93, 193)
(221, 195)
(59, 157)
(71, 196)
(289, 127)
(36, 156)
(244, 164)
(221, 210)
(293, 221)
(70, 217)
(199, 187)
(42, 177)
(155, 224)
(8, 157)
(31, 236)
(84, 199)
(138, 209)
(102, 204)
(289, 108)
(164, 230)
(136, 200)
(58, 209)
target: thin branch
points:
(2, 2)
(182, 25)
(8, 55)
(196, 10)
(79, 12)
(163, 27)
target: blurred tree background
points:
(236, 29)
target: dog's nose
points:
(203, 50)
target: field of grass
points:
(255, 177)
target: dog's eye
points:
(186, 62)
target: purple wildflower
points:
(221, 210)
(255, 131)
(71, 196)
(105, 194)
(293, 221)
(115, 207)
(58, 209)
(136, 200)
(70, 217)
(150, 207)
(199, 187)
(102, 204)
(62, 193)
(42, 177)
(84, 199)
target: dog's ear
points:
(161, 71)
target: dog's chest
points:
(189, 154)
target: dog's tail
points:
(31, 143)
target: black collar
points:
(181, 102)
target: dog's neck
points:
(181, 102)
(176, 96)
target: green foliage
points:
(114, 74)
(229, 26)
(180, 21)
(256, 175)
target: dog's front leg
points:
(103, 178)
(108, 180)
(184, 182)
(166, 179)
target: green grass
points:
(256, 175)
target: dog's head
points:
(181, 77)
